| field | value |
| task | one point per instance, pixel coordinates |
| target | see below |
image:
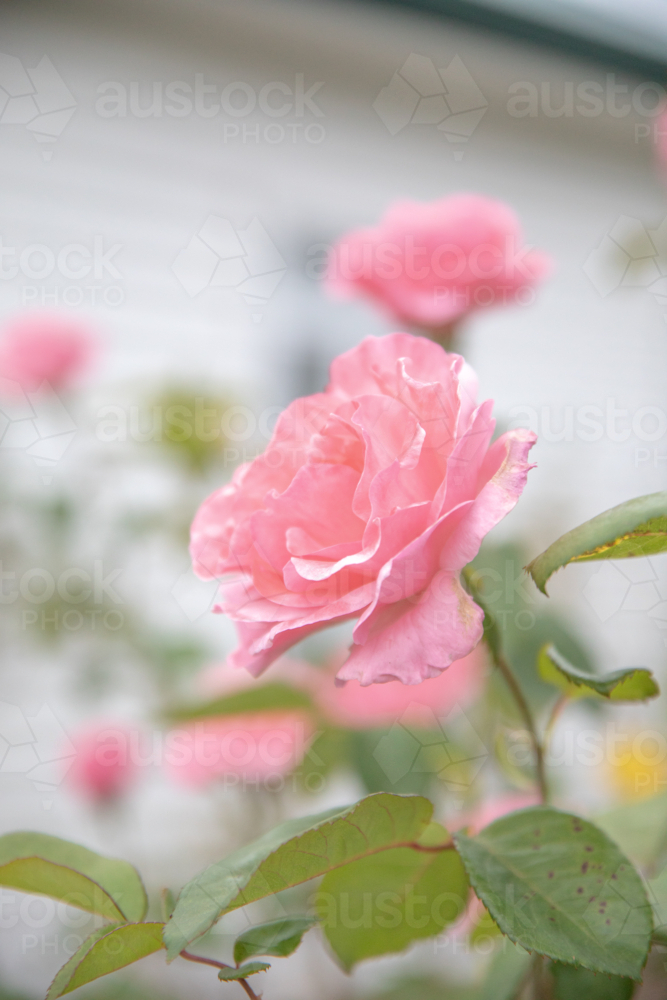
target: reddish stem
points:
(220, 965)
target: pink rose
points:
(39, 347)
(368, 501)
(428, 264)
(492, 809)
(357, 707)
(104, 765)
(219, 679)
(253, 747)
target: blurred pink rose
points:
(104, 765)
(492, 809)
(368, 501)
(428, 264)
(255, 747)
(357, 707)
(41, 347)
(221, 679)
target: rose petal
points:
(411, 640)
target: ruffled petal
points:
(506, 464)
(417, 638)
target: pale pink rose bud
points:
(104, 765)
(369, 500)
(253, 748)
(427, 264)
(44, 347)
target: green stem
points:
(553, 719)
(492, 639)
(542, 982)
(445, 335)
(527, 716)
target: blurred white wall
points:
(142, 187)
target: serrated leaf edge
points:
(111, 929)
(515, 940)
(325, 822)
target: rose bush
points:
(368, 501)
(429, 264)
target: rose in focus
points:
(429, 264)
(368, 501)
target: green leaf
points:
(555, 884)
(380, 904)
(292, 853)
(49, 866)
(629, 684)
(570, 982)
(506, 973)
(385, 759)
(271, 697)
(106, 950)
(278, 937)
(639, 828)
(249, 969)
(635, 528)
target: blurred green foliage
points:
(194, 426)
(525, 620)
